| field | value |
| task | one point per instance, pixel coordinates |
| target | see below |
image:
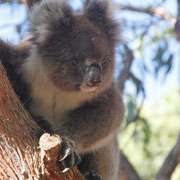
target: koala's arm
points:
(10, 57)
(6, 51)
(94, 123)
(13, 56)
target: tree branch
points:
(170, 163)
(20, 154)
(86, 3)
(177, 25)
(127, 171)
(158, 11)
(125, 74)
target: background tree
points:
(147, 66)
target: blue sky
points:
(155, 88)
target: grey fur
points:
(43, 13)
(57, 90)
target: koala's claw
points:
(65, 153)
(92, 176)
(68, 157)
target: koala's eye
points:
(75, 62)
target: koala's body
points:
(64, 78)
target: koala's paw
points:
(92, 176)
(68, 157)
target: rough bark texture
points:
(21, 157)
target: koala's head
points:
(76, 49)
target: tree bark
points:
(21, 156)
(126, 170)
(170, 163)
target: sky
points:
(156, 88)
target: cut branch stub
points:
(49, 148)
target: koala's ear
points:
(100, 12)
(47, 14)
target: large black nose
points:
(94, 76)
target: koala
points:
(65, 79)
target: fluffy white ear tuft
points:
(43, 14)
(101, 12)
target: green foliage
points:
(162, 59)
(152, 137)
(148, 133)
(142, 129)
(132, 111)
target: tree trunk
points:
(21, 156)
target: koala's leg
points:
(104, 161)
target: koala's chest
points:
(53, 110)
(54, 107)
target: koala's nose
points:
(94, 76)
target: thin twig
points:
(158, 11)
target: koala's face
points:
(80, 58)
(77, 54)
